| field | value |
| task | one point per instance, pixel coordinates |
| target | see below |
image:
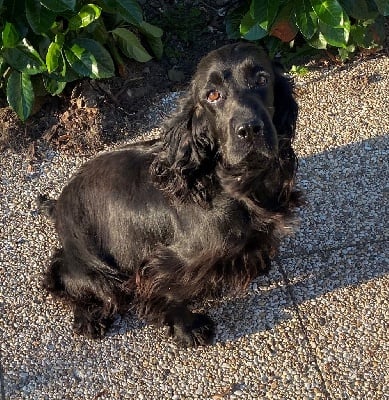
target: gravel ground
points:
(315, 328)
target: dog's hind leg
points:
(92, 288)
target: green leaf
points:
(129, 10)
(337, 37)
(64, 72)
(150, 30)
(24, 58)
(306, 18)
(40, 18)
(233, 21)
(3, 67)
(360, 9)
(130, 45)
(383, 7)
(156, 46)
(59, 5)
(98, 31)
(329, 11)
(60, 39)
(250, 30)
(343, 54)
(53, 56)
(89, 58)
(53, 86)
(318, 41)
(264, 12)
(369, 34)
(299, 70)
(88, 14)
(20, 94)
(10, 35)
(153, 36)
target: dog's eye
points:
(213, 96)
(261, 80)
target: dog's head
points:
(238, 107)
(234, 92)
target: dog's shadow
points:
(340, 243)
(259, 309)
(333, 249)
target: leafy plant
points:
(183, 25)
(52, 42)
(184, 22)
(299, 70)
(342, 24)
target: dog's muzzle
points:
(258, 134)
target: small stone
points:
(322, 321)
(176, 75)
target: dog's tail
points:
(46, 205)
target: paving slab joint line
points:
(2, 381)
(301, 323)
(286, 255)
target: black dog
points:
(156, 225)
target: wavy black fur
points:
(153, 226)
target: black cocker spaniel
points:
(153, 226)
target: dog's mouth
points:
(264, 147)
(257, 153)
(254, 160)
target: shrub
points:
(48, 43)
(343, 24)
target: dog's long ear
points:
(285, 106)
(184, 168)
(284, 120)
(285, 111)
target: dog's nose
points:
(250, 129)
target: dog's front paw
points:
(84, 324)
(193, 330)
(91, 329)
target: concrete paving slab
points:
(347, 198)
(258, 333)
(261, 349)
(342, 300)
(338, 271)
